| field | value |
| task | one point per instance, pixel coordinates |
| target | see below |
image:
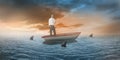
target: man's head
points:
(52, 16)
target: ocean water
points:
(85, 48)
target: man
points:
(51, 25)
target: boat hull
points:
(59, 37)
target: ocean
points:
(85, 48)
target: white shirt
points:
(51, 21)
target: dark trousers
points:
(52, 30)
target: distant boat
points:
(60, 37)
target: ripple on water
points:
(84, 49)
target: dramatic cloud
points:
(109, 28)
(31, 9)
(60, 25)
(40, 10)
(41, 14)
(33, 12)
(40, 27)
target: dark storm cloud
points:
(63, 4)
(111, 7)
(37, 11)
(53, 3)
(116, 17)
(41, 14)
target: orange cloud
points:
(77, 25)
(60, 25)
(111, 28)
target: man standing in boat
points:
(51, 25)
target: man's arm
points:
(54, 21)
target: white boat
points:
(61, 37)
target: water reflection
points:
(53, 42)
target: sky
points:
(87, 16)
